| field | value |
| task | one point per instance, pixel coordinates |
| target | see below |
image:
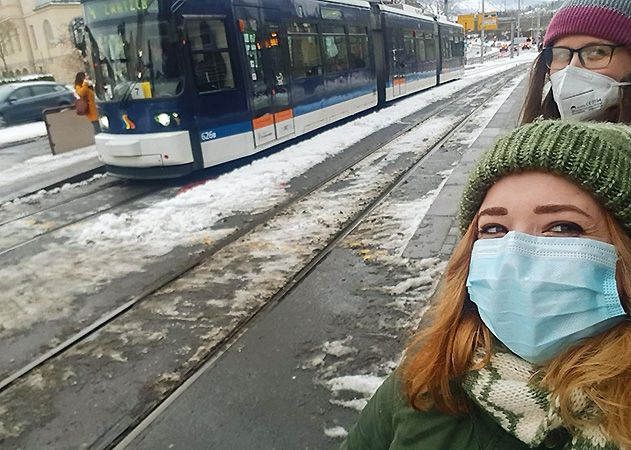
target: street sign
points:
(475, 22)
(489, 22)
(468, 22)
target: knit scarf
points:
(506, 389)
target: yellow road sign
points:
(488, 22)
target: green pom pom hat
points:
(596, 156)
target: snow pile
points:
(45, 163)
(187, 218)
(19, 133)
(41, 194)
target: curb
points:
(73, 179)
(23, 141)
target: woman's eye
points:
(596, 52)
(566, 228)
(492, 230)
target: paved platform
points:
(272, 388)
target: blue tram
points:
(188, 84)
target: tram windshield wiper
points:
(127, 95)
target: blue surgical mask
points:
(541, 295)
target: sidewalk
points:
(299, 375)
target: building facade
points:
(35, 39)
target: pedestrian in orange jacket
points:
(84, 88)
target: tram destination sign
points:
(108, 9)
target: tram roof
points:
(443, 19)
(405, 10)
(360, 3)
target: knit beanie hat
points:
(605, 19)
(596, 156)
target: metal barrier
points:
(66, 130)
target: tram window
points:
(209, 54)
(409, 51)
(430, 47)
(446, 48)
(352, 29)
(457, 47)
(307, 28)
(358, 51)
(330, 13)
(304, 51)
(335, 53)
(420, 49)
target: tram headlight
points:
(166, 119)
(163, 119)
(105, 122)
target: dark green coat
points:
(389, 423)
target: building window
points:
(48, 33)
(33, 38)
(17, 41)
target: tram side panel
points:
(301, 73)
(222, 128)
(228, 135)
(451, 51)
(411, 58)
(331, 68)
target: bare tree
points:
(70, 57)
(7, 30)
(429, 7)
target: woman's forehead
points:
(536, 188)
(579, 40)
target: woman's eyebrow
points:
(494, 211)
(550, 209)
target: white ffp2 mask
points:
(582, 94)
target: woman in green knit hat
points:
(529, 345)
(584, 70)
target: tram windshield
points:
(133, 55)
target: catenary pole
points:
(482, 35)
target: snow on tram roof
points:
(362, 3)
(405, 10)
(445, 20)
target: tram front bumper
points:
(144, 150)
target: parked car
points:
(24, 102)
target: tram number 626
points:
(208, 135)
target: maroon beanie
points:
(605, 19)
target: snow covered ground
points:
(20, 133)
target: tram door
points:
(398, 72)
(267, 68)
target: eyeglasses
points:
(594, 56)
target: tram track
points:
(186, 267)
(25, 230)
(28, 205)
